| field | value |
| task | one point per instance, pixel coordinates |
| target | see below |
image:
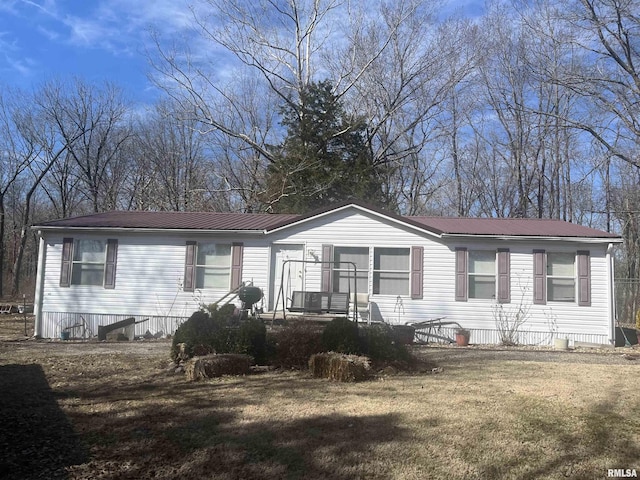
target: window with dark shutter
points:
(190, 267)
(417, 274)
(461, 274)
(67, 256)
(110, 263)
(584, 278)
(504, 276)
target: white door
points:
(286, 276)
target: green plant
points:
(220, 331)
(249, 338)
(197, 330)
(341, 335)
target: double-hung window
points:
(482, 274)
(213, 265)
(343, 273)
(391, 270)
(561, 277)
(89, 261)
(89, 256)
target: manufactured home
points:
(552, 278)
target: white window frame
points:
(77, 250)
(376, 272)
(472, 276)
(551, 278)
(217, 269)
(339, 268)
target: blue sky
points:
(97, 40)
(93, 39)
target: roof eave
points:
(534, 238)
(146, 230)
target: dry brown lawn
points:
(107, 411)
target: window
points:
(88, 261)
(391, 270)
(213, 265)
(343, 273)
(482, 274)
(561, 279)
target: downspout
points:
(612, 296)
(39, 299)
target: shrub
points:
(196, 331)
(249, 338)
(379, 342)
(341, 335)
(220, 331)
(295, 343)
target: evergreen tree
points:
(325, 157)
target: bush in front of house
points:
(249, 338)
(380, 343)
(341, 335)
(295, 343)
(219, 331)
(194, 335)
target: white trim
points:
(38, 298)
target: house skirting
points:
(85, 325)
(524, 337)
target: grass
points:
(481, 418)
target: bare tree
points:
(91, 121)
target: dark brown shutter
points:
(539, 277)
(190, 267)
(584, 279)
(461, 274)
(327, 256)
(67, 257)
(237, 254)
(110, 264)
(417, 261)
(504, 276)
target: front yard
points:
(100, 410)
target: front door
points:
(286, 276)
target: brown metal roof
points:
(533, 227)
(173, 220)
(267, 222)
